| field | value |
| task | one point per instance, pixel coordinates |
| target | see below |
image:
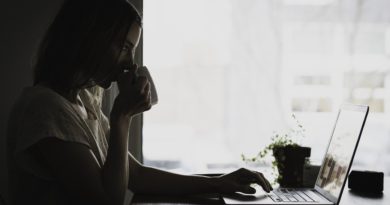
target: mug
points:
(143, 71)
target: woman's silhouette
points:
(61, 148)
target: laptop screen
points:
(341, 148)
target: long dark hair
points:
(78, 45)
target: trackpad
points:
(260, 197)
(246, 199)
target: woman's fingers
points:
(263, 181)
(258, 178)
(148, 101)
(241, 180)
(141, 83)
(246, 189)
(146, 89)
(145, 101)
(135, 92)
(269, 184)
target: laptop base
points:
(279, 196)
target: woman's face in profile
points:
(126, 56)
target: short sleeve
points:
(45, 116)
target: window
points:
(230, 72)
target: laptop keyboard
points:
(290, 195)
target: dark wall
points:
(23, 22)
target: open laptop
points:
(334, 169)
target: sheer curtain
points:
(230, 72)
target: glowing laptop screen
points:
(340, 151)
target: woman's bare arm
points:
(148, 180)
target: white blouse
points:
(41, 113)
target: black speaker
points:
(366, 181)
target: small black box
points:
(366, 181)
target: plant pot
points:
(290, 160)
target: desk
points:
(348, 198)
(351, 198)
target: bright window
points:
(230, 72)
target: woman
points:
(61, 147)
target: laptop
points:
(334, 169)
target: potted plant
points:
(289, 158)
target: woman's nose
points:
(129, 62)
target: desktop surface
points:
(348, 198)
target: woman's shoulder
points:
(39, 98)
(40, 112)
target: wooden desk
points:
(348, 198)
